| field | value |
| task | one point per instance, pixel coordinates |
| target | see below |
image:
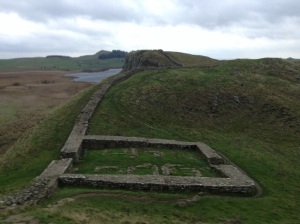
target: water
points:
(94, 77)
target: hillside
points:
(61, 63)
(238, 96)
(248, 110)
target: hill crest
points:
(160, 59)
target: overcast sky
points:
(221, 29)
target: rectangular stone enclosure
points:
(231, 179)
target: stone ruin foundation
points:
(59, 172)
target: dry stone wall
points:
(160, 183)
(72, 147)
(100, 142)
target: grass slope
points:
(247, 109)
(88, 62)
(28, 97)
(189, 60)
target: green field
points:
(248, 110)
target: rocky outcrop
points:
(149, 59)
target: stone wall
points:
(159, 183)
(72, 147)
(100, 142)
(40, 188)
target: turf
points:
(142, 162)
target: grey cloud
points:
(55, 43)
(44, 10)
(220, 13)
(253, 19)
(209, 14)
(274, 19)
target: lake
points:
(94, 77)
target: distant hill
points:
(113, 54)
(62, 63)
(58, 56)
(293, 59)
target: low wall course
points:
(159, 183)
(100, 142)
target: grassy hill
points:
(248, 110)
(88, 62)
(236, 96)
